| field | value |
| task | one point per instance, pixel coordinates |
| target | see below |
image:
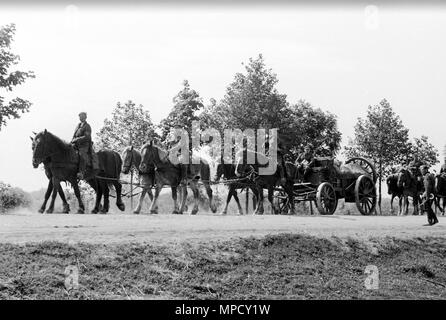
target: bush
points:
(11, 198)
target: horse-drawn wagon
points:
(353, 181)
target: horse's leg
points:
(56, 184)
(415, 204)
(77, 193)
(259, 209)
(118, 189)
(97, 206)
(406, 205)
(66, 206)
(400, 204)
(47, 195)
(391, 203)
(106, 193)
(255, 198)
(175, 200)
(271, 199)
(234, 194)
(153, 206)
(183, 191)
(194, 186)
(210, 196)
(141, 199)
(290, 188)
(228, 199)
(149, 192)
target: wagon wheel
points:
(365, 195)
(326, 201)
(282, 202)
(366, 165)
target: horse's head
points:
(149, 156)
(129, 157)
(403, 178)
(389, 181)
(39, 147)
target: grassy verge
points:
(274, 267)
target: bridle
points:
(129, 166)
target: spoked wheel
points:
(365, 194)
(283, 202)
(326, 200)
(366, 165)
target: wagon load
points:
(354, 181)
(351, 171)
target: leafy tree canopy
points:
(14, 108)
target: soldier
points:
(415, 163)
(173, 145)
(429, 182)
(443, 167)
(305, 161)
(82, 141)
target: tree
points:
(9, 79)
(424, 150)
(381, 137)
(129, 125)
(253, 101)
(187, 104)
(314, 126)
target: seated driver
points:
(305, 161)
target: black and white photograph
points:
(238, 152)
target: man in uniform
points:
(414, 167)
(443, 167)
(429, 182)
(173, 145)
(305, 161)
(82, 141)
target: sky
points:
(339, 58)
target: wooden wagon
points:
(353, 181)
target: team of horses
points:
(61, 160)
(406, 183)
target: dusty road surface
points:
(22, 227)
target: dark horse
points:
(279, 177)
(411, 188)
(167, 173)
(227, 170)
(395, 191)
(440, 191)
(62, 162)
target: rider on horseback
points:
(414, 167)
(82, 141)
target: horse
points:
(132, 160)
(167, 173)
(440, 191)
(49, 190)
(411, 188)
(62, 162)
(227, 170)
(395, 191)
(279, 177)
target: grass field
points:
(273, 267)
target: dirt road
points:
(23, 227)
